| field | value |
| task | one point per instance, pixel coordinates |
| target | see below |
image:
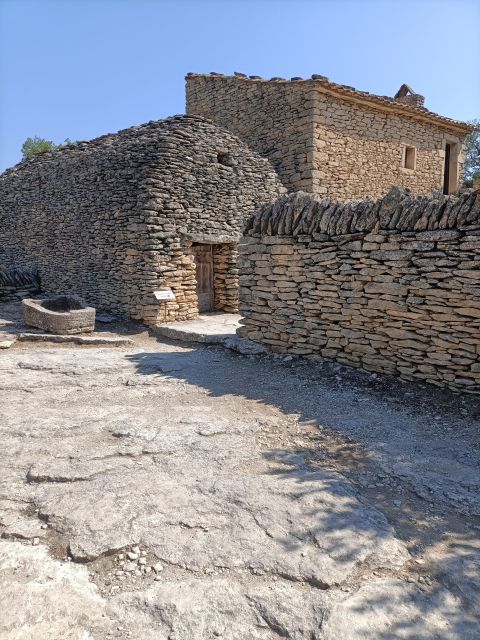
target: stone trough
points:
(60, 314)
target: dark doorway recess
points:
(204, 273)
(446, 171)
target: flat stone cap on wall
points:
(303, 213)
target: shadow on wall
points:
(367, 427)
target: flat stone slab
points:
(209, 328)
(7, 341)
(212, 328)
(114, 341)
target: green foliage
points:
(34, 145)
(472, 154)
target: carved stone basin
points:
(59, 314)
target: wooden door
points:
(204, 272)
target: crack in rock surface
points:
(259, 542)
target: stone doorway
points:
(216, 276)
(450, 169)
(203, 254)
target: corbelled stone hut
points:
(123, 218)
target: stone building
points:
(148, 209)
(330, 139)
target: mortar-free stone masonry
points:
(389, 285)
(162, 206)
(116, 219)
(330, 139)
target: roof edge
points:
(92, 143)
(324, 85)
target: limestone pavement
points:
(167, 491)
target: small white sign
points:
(164, 295)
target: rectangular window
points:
(409, 158)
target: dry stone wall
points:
(330, 139)
(114, 219)
(18, 283)
(225, 277)
(390, 285)
(273, 118)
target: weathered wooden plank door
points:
(204, 272)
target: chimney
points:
(406, 95)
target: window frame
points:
(409, 158)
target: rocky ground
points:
(167, 491)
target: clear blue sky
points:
(81, 68)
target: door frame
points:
(450, 167)
(204, 276)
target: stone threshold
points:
(210, 328)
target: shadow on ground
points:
(365, 427)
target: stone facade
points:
(332, 140)
(390, 285)
(114, 219)
(272, 119)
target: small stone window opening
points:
(409, 158)
(223, 157)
